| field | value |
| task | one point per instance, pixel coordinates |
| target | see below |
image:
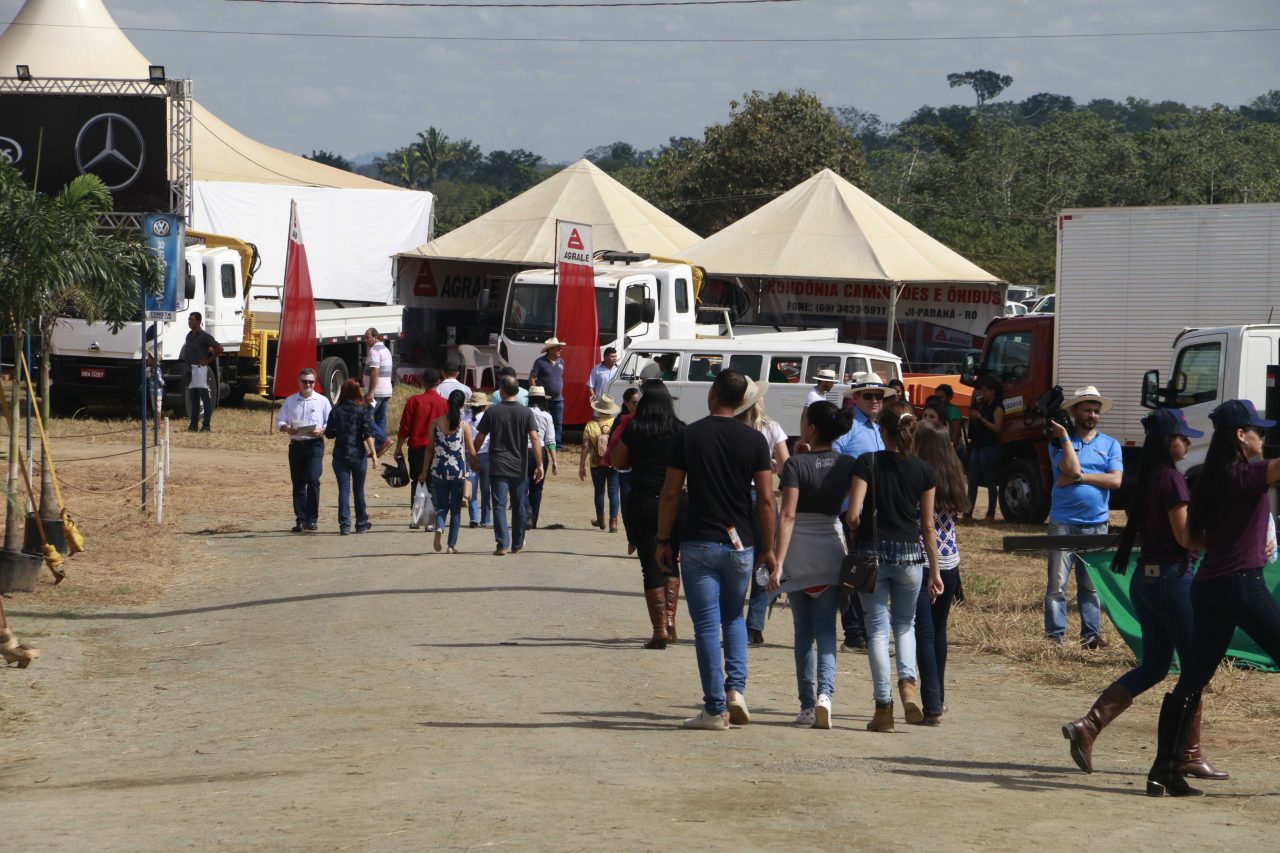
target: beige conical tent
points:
(826, 228)
(523, 231)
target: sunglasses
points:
(306, 382)
(872, 396)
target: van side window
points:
(682, 296)
(853, 364)
(1196, 376)
(228, 281)
(653, 365)
(821, 362)
(885, 369)
(785, 368)
(1009, 356)
(748, 365)
(704, 368)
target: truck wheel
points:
(235, 397)
(333, 372)
(63, 403)
(1023, 498)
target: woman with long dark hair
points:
(1160, 588)
(452, 450)
(933, 445)
(644, 448)
(891, 516)
(1230, 515)
(986, 417)
(351, 428)
(810, 549)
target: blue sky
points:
(355, 96)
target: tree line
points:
(986, 178)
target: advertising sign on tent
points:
(166, 235)
(576, 321)
(297, 316)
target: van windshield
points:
(531, 313)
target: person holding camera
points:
(1088, 468)
(986, 419)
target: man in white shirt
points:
(303, 418)
(451, 383)
(603, 374)
(377, 384)
(826, 380)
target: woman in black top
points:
(645, 447)
(891, 515)
(986, 417)
(351, 428)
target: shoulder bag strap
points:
(875, 508)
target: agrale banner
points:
(576, 321)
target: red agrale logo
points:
(575, 242)
(425, 283)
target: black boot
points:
(1165, 776)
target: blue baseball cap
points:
(1234, 414)
(1169, 422)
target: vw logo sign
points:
(10, 151)
(111, 146)
(160, 228)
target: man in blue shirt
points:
(1088, 468)
(548, 371)
(868, 393)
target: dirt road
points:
(320, 692)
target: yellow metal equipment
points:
(254, 341)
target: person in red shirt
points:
(415, 428)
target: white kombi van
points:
(789, 366)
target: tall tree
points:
(986, 84)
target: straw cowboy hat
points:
(860, 382)
(1089, 394)
(755, 390)
(478, 399)
(826, 374)
(605, 405)
(537, 391)
(552, 343)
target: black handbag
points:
(858, 571)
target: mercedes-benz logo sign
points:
(111, 147)
(10, 151)
(160, 228)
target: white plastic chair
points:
(474, 364)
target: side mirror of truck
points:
(969, 370)
(650, 312)
(189, 287)
(1151, 389)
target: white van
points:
(690, 366)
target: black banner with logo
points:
(120, 138)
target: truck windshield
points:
(531, 313)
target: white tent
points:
(522, 231)
(241, 187)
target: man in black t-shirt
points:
(719, 458)
(512, 431)
(200, 350)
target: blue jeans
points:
(600, 478)
(473, 504)
(931, 641)
(815, 621)
(892, 603)
(305, 458)
(351, 480)
(482, 480)
(447, 495)
(555, 408)
(758, 597)
(715, 582)
(1055, 594)
(1163, 607)
(504, 489)
(379, 415)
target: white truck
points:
(92, 365)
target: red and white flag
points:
(297, 344)
(576, 321)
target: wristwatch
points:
(1079, 479)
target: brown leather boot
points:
(673, 599)
(1193, 761)
(656, 599)
(882, 721)
(613, 525)
(1084, 731)
(911, 706)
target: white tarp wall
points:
(350, 234)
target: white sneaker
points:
(738, 713)
(822, 713)
(710, 722)
(805, 717)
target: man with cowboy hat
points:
(826, 380)
(1087, 468)
(602, 475)
(548, 371)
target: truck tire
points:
(333, 372)
(63, 403)
(235, 397)
(1023, 497)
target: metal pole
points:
(142, 364)
(152, 374)
(27, 394)
(895, 288)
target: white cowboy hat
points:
(826, 374)
(756, 388)
(551, 343)
(604, 405)
(478, 399)
(860, 382)
(1090, 394)
(537, 391)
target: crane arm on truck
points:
(254, 340)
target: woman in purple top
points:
(1160, 588)
(1229, 516)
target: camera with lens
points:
(1049, 407)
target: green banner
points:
(1113, 589)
